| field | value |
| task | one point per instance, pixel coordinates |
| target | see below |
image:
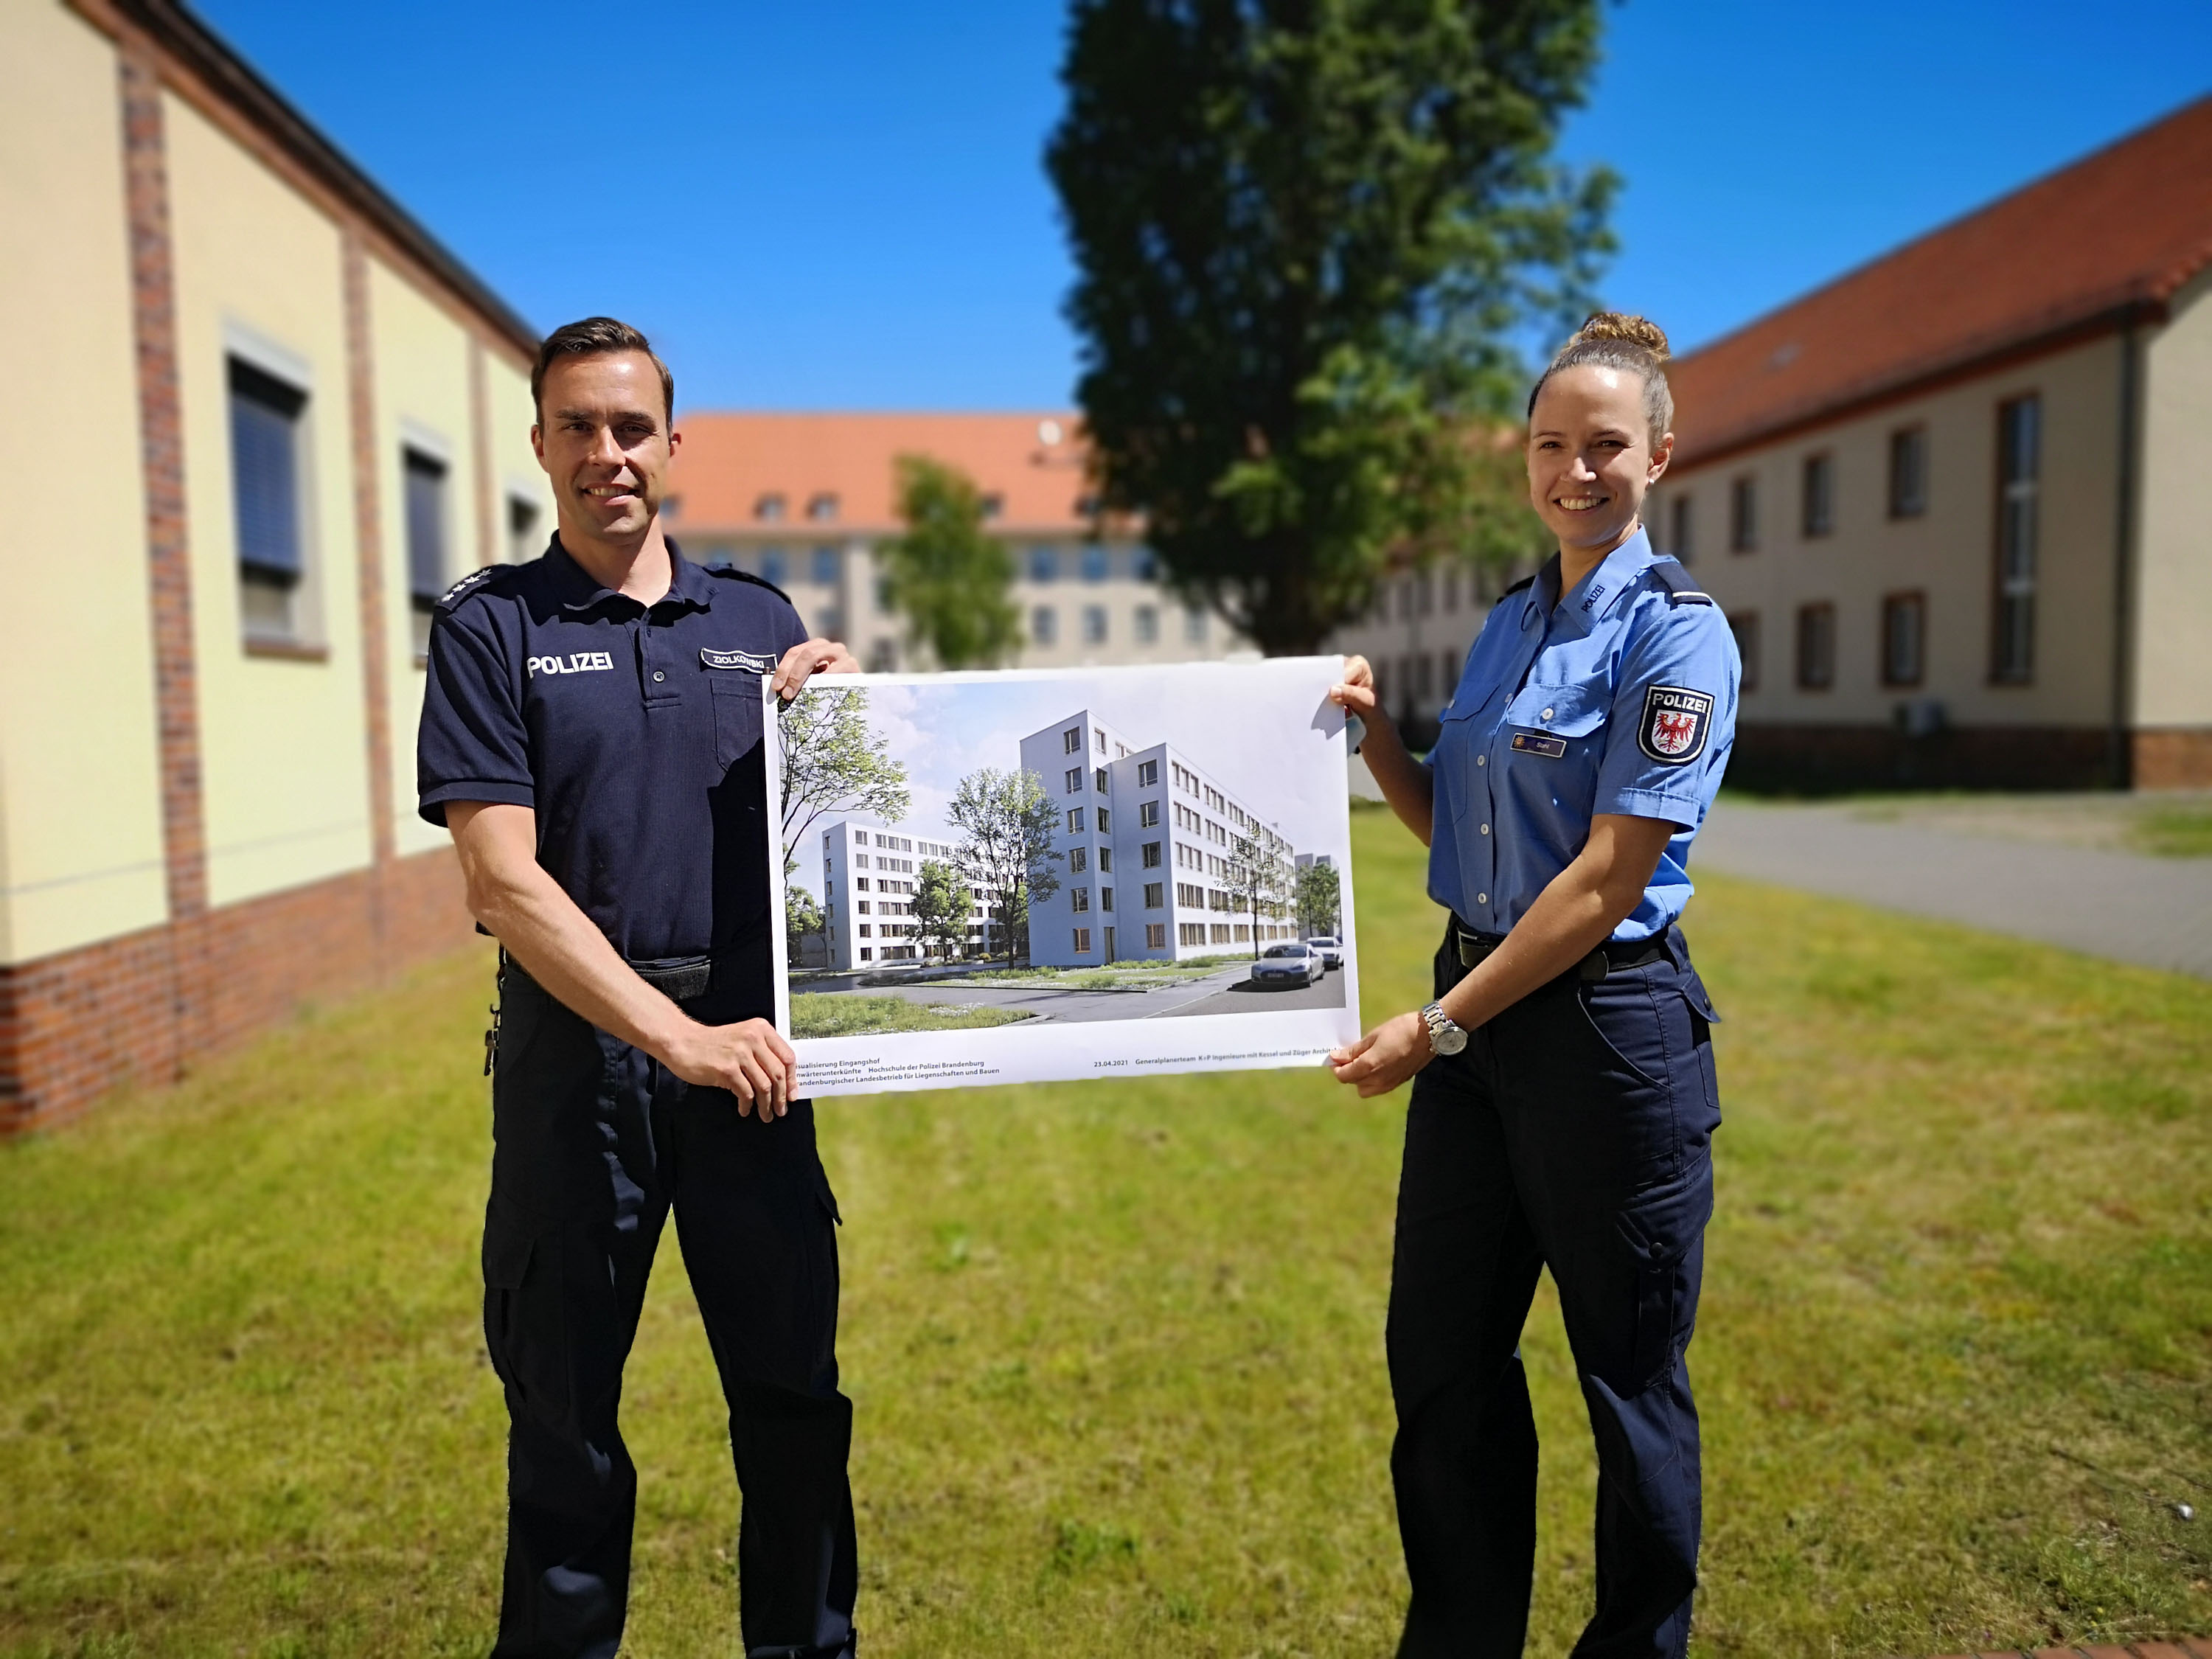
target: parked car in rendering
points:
(1330, 950)
(1288, 964)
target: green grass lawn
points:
(843, 1013)
(2176, 832)
(1117, 1348)
(1118, 977)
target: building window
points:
(1149, 855)
(822, 506)
(1074, 780)
(2019, 442)
(1105, 898)
(774, 567)
(1193, 624)
(867, 955)
(825, 567)
(1148, 774)
(1044, 564)
(1082, 941)
(1148, 625)
(1044, 625)
(1075, 821)
(768, 508)
(1817, 503)
(1100, 737)
(1148, 815)
(427, 580)
(266, 417)
(1156, 895)
(1743, 515)
(1078, 859)
(1106, 862)
(521, 529)
(1097, 565)
(1903, 638)
(1191, 933)
(1816, 646)
(1098, 778)
(1105, 821)
(993, 505)
(1908, 473)
(1681, 539)
(1094, 625)
(1156, 936)
(1070, 740)
(864, 930)
(883, 656)
(1744, 625)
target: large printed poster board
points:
(1040, 875)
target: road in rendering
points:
(1228, 991)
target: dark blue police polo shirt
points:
(634, 732)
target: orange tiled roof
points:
(2112, 236)
(728, 461)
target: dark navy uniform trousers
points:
(595, 1142)
(1573, 1133)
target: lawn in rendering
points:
(1116, 1348)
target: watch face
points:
(1450, 1040)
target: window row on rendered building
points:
(1902, 617)
(279, 566)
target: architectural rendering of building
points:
(803, 500)
(293, 420)
(868, 875)
(1150, 847)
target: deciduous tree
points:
(1258, 874)
(940, 909)
(1008, 823)
(951, 579)
(1319, 899)
(832, 763)
(1307, 233)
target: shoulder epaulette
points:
(477, 582)
(1527, 582)
(1675, 581)
(730, 573)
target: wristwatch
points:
(1444, 1037)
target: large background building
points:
(272, 421)
(803, 500)
(868, 875)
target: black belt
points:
(1614, 954)
(678, 978)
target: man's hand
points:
(1385, 1057)
(802, 662)
(749, 1059)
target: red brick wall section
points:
(154, 325)
(2179, 758)
(77, 1023)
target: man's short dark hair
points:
(595, 337)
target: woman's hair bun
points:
(1624, 326)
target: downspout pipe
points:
(2121, 744)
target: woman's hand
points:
(1385, 1057)
(1355, 692)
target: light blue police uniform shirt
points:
(1620, 698)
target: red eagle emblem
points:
(1673, 731)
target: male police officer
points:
(591, 736)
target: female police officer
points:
(1564, 1101)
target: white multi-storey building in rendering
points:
(868, 877)
(1148, 844)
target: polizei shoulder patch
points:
(1675, 722)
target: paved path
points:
(2126, 906)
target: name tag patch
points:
(1675, 723)
(744, 662)
(576, 662)
(1535, 743)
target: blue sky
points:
(846, 208)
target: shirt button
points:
(1482, 898)
(1546, 714)
(1482, 760)
(1485, 828)
(658, 677)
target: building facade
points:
(1946, 502)
(1152, 854)
(868, 876)
(294, 420)
(804, 500)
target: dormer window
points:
(822, 506)
(993, 505)
(768, 508)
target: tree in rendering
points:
(1258, 876)
(940, 909)
(1007, 823)
(1319, 899)
(802, 917)
(951, 581)
(832, 763)
(1305, 236)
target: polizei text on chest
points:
(576, 662)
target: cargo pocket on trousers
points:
(1660, 1227)
(526, 1323)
